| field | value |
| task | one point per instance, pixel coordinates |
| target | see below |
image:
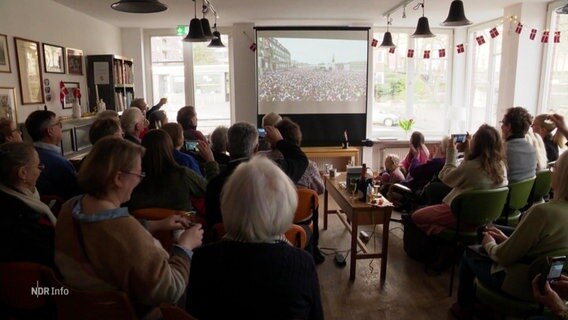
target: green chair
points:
(473, 208)
(541, 187)
(518, 198)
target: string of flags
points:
(481, 39)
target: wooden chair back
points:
(297, 236)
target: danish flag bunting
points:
(460, 48)
(426, 54)
(544, 38)
(441, 53)
(493, 32)
(374, 43)
(533, 34)
(480, 40)
(391, 50)
(519, 28)
(253, 47)
(556, 36)
(410, 53)
(62, 92)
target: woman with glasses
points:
(100, 246)
(9, 132)
(26, 223)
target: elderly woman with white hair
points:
(254, 273)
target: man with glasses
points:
(58, 177)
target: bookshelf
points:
(111, 78)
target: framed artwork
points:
(29, 71)
(53, 58)
(8, 104)
(74, 61)
(4, 54)
(70, 96)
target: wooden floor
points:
(407, 293)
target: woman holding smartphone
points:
(542, 231)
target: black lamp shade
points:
(562, 10)
(456, 16)
(195, 33)
(206, 29)
(387, 41)
(422, 29)
(216, 42)
(139, 6)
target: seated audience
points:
(9, 131)
(544, 126)
(176, 133)
(104, 127)
(141, 104)
(420, 174)
(269, 119)
(392, 173)
(219, 142)
(540, 150)
(521, 156)
(243, 144)
(167, 184)
(542, 231)
(187, 117)
(560, 125)
(133, 124)
(482, 168)
(553, 296)
(26, 223)
(100, 246)
(108, 114)
(254, 273)
(157, 119)
(417, 150)
(58, 177)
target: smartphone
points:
(261, 132)
(191, 145)
(459, 138)
(554, 271)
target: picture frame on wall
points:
(29, 71)
(8, 104)
(53, 58)
(70, 96)
(4, 54)
(75, 61)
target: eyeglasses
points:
(58, 123)
(141, 175)
(40, 166)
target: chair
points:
(308, 204)
(518, 197)
(53, 202)
(171, 312)
(474, 208)
(17, 298)
(541, 187)
(166, 238)
(89, 305)
(297, 236)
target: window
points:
(484, 65)
(554, 97)
(210, 77)
(415, 87)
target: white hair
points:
(130, 117)
(535, 140)
(271, 119)
(258, 201)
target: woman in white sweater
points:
(482, 168)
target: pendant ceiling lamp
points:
(204, 22)
(456, 16)
(139, 6)
(387, 37)
(195, 33)
(562, 10)
(216, 42)
(423, 27)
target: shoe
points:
(459, 312)
(318, 257)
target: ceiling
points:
(291, 12)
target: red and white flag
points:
(460, 48)
(77, 93)
(519, 28)
(410, 53)
(374, 43)
(441, 53)
(253, 47)
(426, 54)
(556, 36)
(493, 32)
(391, 50)
(533, 34)
(480, 40)
(62, 92)
(544, 38)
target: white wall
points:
(49, 22)
(133, 47)
(243, 82)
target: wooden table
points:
(358, 213)
(333, 152)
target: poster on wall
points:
(74, 61)
(4, 54)
(53, 58)
(29, 71)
